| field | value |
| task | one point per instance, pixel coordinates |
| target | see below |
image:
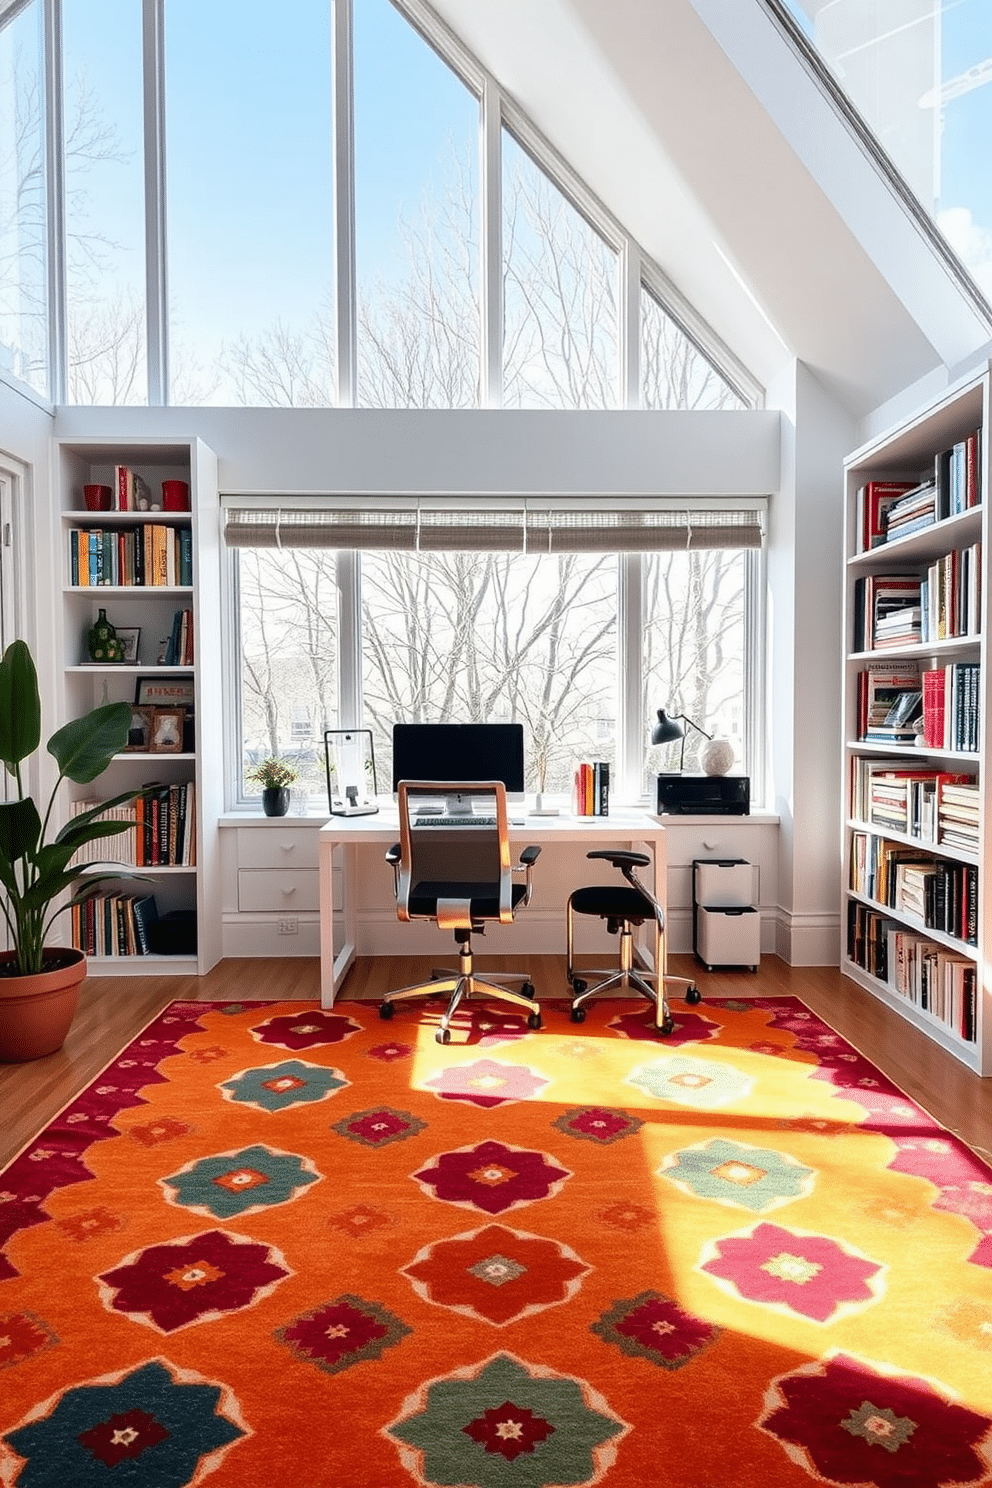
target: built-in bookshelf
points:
(146, 556)
(916, 928)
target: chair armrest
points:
(620, 857)
(393, 855)
(529, 855)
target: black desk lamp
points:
(667, 729)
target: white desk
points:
(342, 836)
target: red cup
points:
(98, 498)
(175, 496)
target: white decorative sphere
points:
(717, 756)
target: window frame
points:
(632, 727)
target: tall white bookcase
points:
(922, 964)
(150, 608)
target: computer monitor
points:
(460, 751)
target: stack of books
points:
(958, 813)
(113, 924)
(914, 510)
(591, 789)
(890, 699)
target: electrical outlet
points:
(289, 925)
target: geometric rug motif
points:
(342, 1332)
(495, 1274)
(195, 1279)
(324, 1260)
(492, 1177)
(702, 1083)
(505, 1420)
(757, 1178)
(846, 1421)
(156, 1426)
(812, 1275)
(656, 1328)
(279, 1087)
(487, 1083)
(226, 1185)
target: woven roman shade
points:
(523, 530)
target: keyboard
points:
(454, 821)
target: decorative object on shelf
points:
(275, 776)
(130, 638)
(98, 498)
(349, 759)
(175, 495)
(139, 733)
(102, 642)
(717, 756)
(39, 985)
(166, 731)
(668, 728)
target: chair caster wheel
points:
(693, 995)
(667, 1026)
(533, 1020)
(443, 1036)
(578, 1013)
(578, 985)
(528, 990)
(386, 1010)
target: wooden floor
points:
(113, 1010)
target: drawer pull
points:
(291, 890)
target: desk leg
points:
(333, 968)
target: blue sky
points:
(249, 145)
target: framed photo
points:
(139, 735)
(165, 692)
(167, 730)
(130, 635)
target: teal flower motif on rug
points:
(704, 1083)
(149, 1425)
(229, 1184)
(277, 1087)
(504, 1420)
(755, 1178)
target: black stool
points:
(623, 907)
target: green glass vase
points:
(102, 641)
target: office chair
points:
(623, 907)
(455, 869)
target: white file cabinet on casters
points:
(726, 925)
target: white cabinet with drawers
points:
(277, 870)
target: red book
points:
(935, 708)
(874, 500)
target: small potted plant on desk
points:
(39, 985)
(275, 777)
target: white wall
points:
(804, 628)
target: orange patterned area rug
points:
(274, 1245)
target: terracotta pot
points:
(36, 1012)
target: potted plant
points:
(275, 776)
(39, 985)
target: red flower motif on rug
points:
(495, 1274)
(845, 1422)
(653, 1326)
(492, 1177)
(305, 1029)
(192, 1280)
(598, 1124)
(810, 1274)
(21, 1336)
(342, 1332)
(509, 1430)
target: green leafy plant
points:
(34, 872)
(272, 774)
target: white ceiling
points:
(697, 127)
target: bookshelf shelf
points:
(161, 617)
(916, 919)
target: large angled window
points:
(674, 372)
(560, 289)
(104, 203)
(249, 203)
(416, 220)
(919, 74)
(23, 210)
